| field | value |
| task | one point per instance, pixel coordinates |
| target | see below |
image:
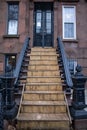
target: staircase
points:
(43, 104)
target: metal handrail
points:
(65, 63)
(20, 60)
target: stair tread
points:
(40, 49)
(42, 76)
(42, 103)
(43, 70)
(43, 60)
(43, 117)
(41, 53)
(55, 64)
(44, 92)
(53, 83)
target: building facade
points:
(43, 21)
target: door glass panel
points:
(38, 22)
(48, 22)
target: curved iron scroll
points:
(20, 59)
(65, 63)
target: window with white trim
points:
(13, 9)
(69, 22)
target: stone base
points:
(11, 113)
(78, 114)
(80, 124)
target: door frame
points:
(52, 22)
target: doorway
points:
(43, 24)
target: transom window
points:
(13, 10)
(69, 22)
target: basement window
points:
(13, 11)
(10, 62)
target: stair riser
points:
(42, 53)
(44, 88)
(42, 49)
(43, 57)
(43, 109)
(40, 68)
(43, 97)
(61, 125)
(43, 80)
(43, 73)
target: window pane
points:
(38, 22)
(48, 22)
(69, 14)
(13, 12)
(10, 63)
(69, 30)
(12, 18)
(12, 27)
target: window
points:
(10, 62)
(72, 66)
(13, 9)
(69, 22)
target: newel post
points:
(78, 102)
(79, 81)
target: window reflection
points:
(38, 22)
(12, 18)
(48, 22)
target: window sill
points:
(70, 40)
(11, 36)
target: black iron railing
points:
(20, 60)
(65, 63)
(1, 111)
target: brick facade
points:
(75, 49)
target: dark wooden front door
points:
(43, 24)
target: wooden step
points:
(43, 95)
(46, 49)
(43, 53)
(43, 87)
(39, 87)
(43, 67)
(43, 121)
(43, 62)
(43, 79)
(43, 107)
(43, 57)
(43, 73)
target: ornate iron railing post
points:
(78, 102)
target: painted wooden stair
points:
(43, 103)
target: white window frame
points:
(69, 6)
